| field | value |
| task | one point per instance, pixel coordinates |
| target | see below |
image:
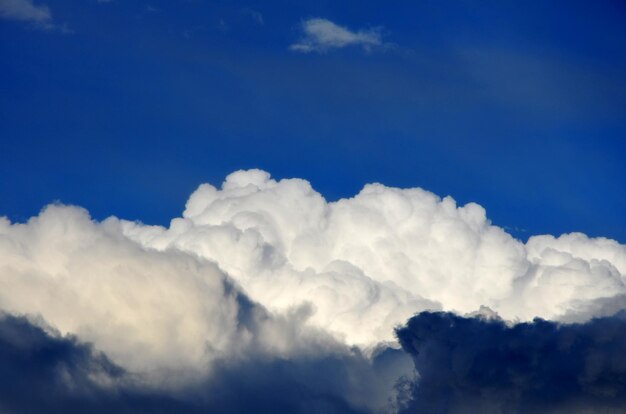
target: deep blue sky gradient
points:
(519, 106)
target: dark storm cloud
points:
(44, 372)
(38, 370)
(474, 365)
(466, 365)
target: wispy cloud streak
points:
(320, 35)
(25, 10)
(38, 15)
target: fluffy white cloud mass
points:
(269, 267)
(368, 263)
(154, 312)
(320, 35)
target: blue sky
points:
(263, 297)
(125, 107)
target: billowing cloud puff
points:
(172, 324)
(148, 310)
(263, 286)
(368, 263)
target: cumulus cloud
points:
(469, 365)
(320, 35)
(150, 311)
(369, 262)
(263, 286)
(174, 322)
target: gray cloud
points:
(470, 365)
(43, 371)
(465, 365)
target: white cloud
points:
(320, 35)
(152, 312)
(368, 263)
(266, 267)
(169, 318)
(25, 10)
